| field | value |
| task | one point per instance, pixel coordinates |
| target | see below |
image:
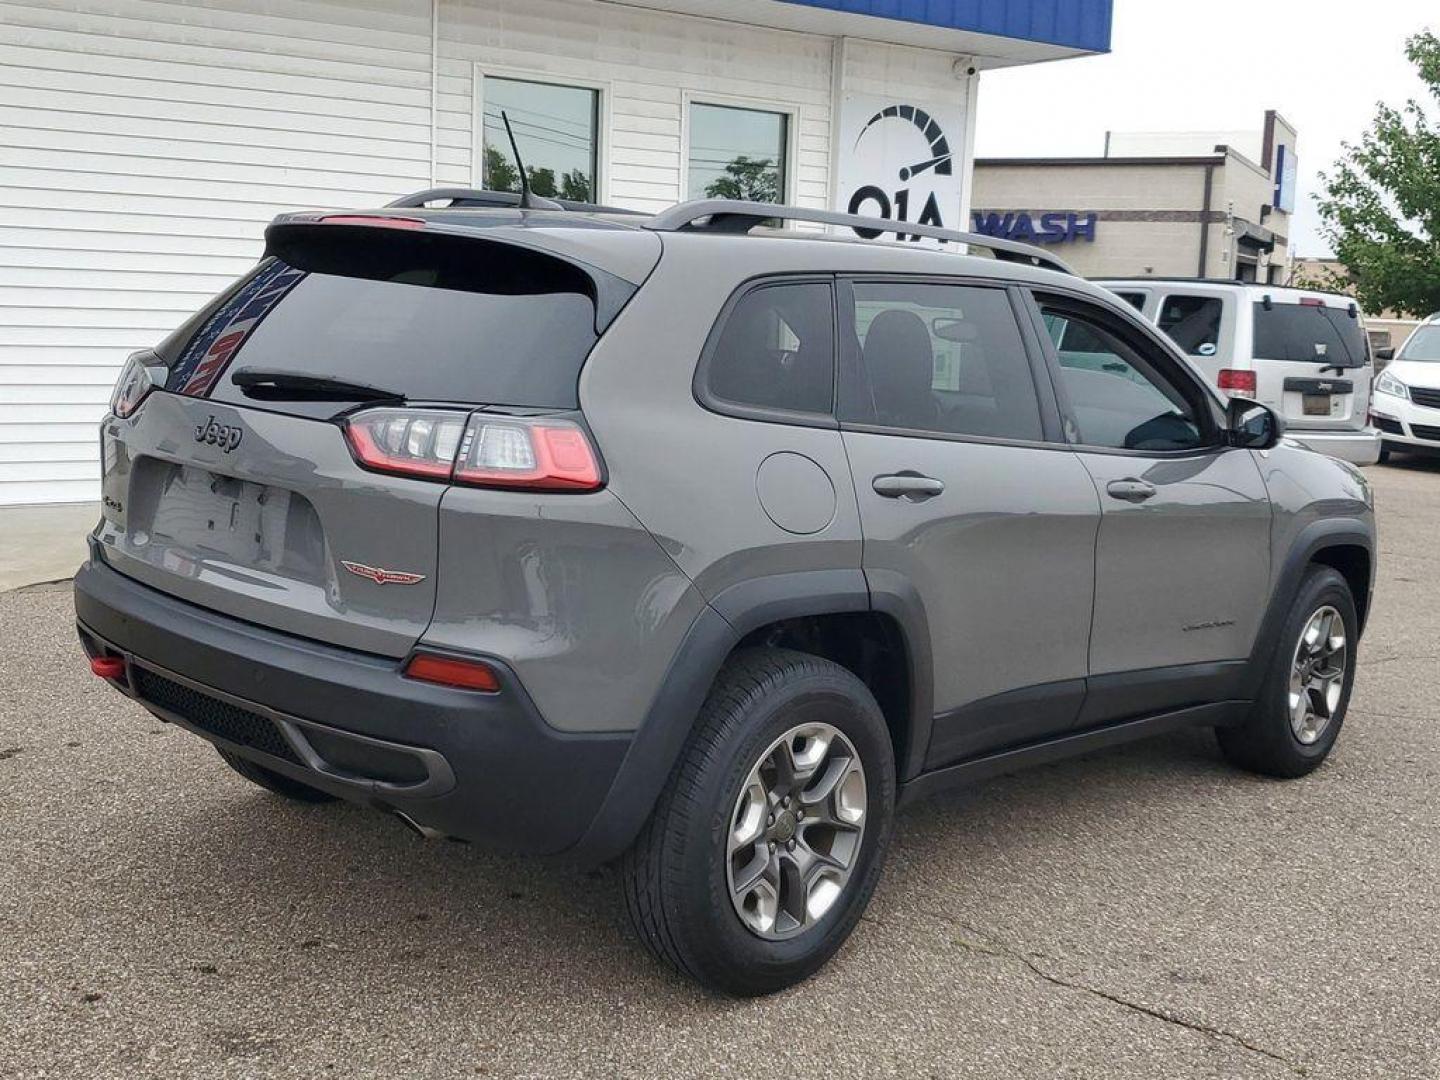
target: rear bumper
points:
(1356, 447)
(482, 767)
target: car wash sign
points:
(1036, 227)
(897, 161)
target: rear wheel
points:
(1384, 453)
(1297, 718)
(768, 841)
(273, 781)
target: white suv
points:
(1407, 392)
(1303, 353)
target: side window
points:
(939, 358)
(1193, 322)
(1118, 397)
(777, 350)
(1134, 299)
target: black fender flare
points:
(1312, 539)
(720, 626)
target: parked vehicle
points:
(1304, 353)
(652, 540)
(1407, 393)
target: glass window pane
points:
(777, 350)
(1304, 332)
(555, 127)
(1119, 399)
(943, 358)
(737, 153)
(1193, 322)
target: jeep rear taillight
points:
(1237, 383)
(410, 442)
(539, 454)
(478, 449)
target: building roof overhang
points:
(1000, 33)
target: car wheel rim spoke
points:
(1317, 675)
(795, 831)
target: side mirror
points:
(1251, 425)
(1387, 354)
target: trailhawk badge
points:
(382, 577)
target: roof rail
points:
(735, 216)
(476, 197)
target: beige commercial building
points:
(1201, 204)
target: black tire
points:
(1384, 454)
(675, 876)
(273, 781)
(1266, 742)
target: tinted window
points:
(1423, 344)
(428, 317)
(1134, 299)
(1117, 396)
(942, 358)
(1193, 322)
(776, 350)
(1306, 332)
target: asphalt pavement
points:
(1147, 912)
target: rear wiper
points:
(289, 385)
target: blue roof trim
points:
(1076, 24)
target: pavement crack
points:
(1160, 1014)
(986, 944)
(1377, 661)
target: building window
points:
(556, 127)
(737, 153)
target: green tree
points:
(753, 181)
(499, 174)
(1381, 203)
(575, 185)
(542, 181)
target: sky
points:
(1324, 65)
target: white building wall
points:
(144, 144)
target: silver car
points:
(701, 544)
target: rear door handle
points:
(1130, 490)
(907, 485)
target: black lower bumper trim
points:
(505, 777)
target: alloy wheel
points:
(796, 830)
(1317, 675)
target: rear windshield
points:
(1304, 332)
(426, 317)
(1423, 344)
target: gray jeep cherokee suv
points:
(701, 544)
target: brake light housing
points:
(1237, 383)
(479, 449)
(134, 384)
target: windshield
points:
(1309, 333)
(1424, 344)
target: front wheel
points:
(768, 841)
(1302, 703)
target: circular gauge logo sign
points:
(904, 143)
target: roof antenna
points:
(528, 199)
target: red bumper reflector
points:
(108, 667)
(450, 671)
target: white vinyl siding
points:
(144, 145)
